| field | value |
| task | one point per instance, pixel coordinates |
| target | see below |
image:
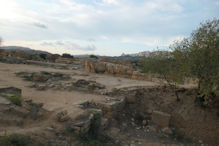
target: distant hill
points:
(144, 54)
(25, 49)
(140, 54)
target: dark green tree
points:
(93, 56)
(43, 56)
(65, 55)
(203, 60)
(194, 57)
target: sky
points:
(102, 27)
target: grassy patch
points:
(45, 73)
(16, 99)
(58, 75)
(15, 140)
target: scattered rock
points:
(167, 130)
(91, 85)
(151, 129)
(82, 123)
(38, 77)
(111, 107)
(144, 122)
(113, 132)
(36, 110)
(62, 116)
(10, 91)
(41, 87)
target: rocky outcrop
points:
(95, 66)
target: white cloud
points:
(103, 37)
(73, 5)
(122, 22)
(70, 45)
(114, 2)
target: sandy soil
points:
(56, 101)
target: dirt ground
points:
(55, 101)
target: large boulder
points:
(110, 68)
(100, 67)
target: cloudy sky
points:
(105, 27)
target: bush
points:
(93, 56)
(43, 56)
(15, 140)
(200, 52)
(16, 99)
(65, 55)
(194, 57)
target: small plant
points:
(16, 99)
(58, 75)
(15, 140)
(43, 56)
(45, 73)
(65, 55)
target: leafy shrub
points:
(15, 140)
(65, 55)
(194, 57)
(93, 56)
(58, 75)
(43, 56)
(16, 99)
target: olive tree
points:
(161, 64)
(204, 59)
(198, 57)
(194, 57)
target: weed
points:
(45, 73)
(16, 99)
(15, 140)
(58, 75)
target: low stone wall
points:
(95, 66)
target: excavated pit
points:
(157, 108)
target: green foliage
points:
(16, 99)
(65, 55)
(15, 140)
(204, 59)
(43, 56)
(195, 57)
(93, 56)
(32, 56)
(58, 75)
